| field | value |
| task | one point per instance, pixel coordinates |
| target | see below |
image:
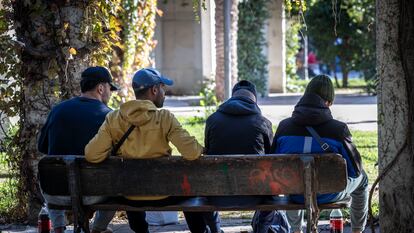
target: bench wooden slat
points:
(203, 204)
(208, 176)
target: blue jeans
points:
(357, 188)
(57, 217)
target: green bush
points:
(292, 47)
(252, 62)
(9, 182)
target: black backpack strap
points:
(325, 146)
(122, 140)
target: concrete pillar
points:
(183, 52)
(276, 51)
(207, 40)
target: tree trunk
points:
(395, 65)
(345, 73)
(234, 28)
(219, 18)
(49, 73)
(333, 67)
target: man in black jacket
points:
(292, 137)
(237, 127)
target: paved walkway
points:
(359, 111)
(228, 226)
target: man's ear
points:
(100, 88)
(154, 90)
(328, 103)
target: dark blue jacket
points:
(70, 125)
(292, 137)
(238, 127)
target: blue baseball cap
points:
(149, 77)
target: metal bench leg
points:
(310, 196)
(80, 220)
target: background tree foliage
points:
(292, 48)
(135, 27)
(10, 94)
(252, 62)
(43, 54)
(344, 29)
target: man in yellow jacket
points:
(154, 129)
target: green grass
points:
(8, 202)
(7, 189)
(298, 85)
(367, 144)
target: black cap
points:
(94, 75)
(149, 77)
(244, 84)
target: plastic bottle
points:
(336, 221)
(43, 222)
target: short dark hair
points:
(88, 85)
(143, 91)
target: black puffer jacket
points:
(238, 127)
(311, 111)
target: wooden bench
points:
(199, 180)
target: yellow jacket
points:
(155, 128)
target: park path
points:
(233, 225)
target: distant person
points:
(237, 127)
(312, 64)
(151, 131)
(293, 137)
(69, 127)
(300, 63)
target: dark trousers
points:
(197, 221)
(137, 221)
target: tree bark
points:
(395, 66)
(219, 18)
(333, 68)
(49, 72)
(345, 73)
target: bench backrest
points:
(207, 176)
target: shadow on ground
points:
(228, 226)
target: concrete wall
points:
(276, 51)
(183, 52)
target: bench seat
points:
(206, 204)
(246, 181)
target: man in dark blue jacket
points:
(70, 126)
(292, 137)
(237, 127)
